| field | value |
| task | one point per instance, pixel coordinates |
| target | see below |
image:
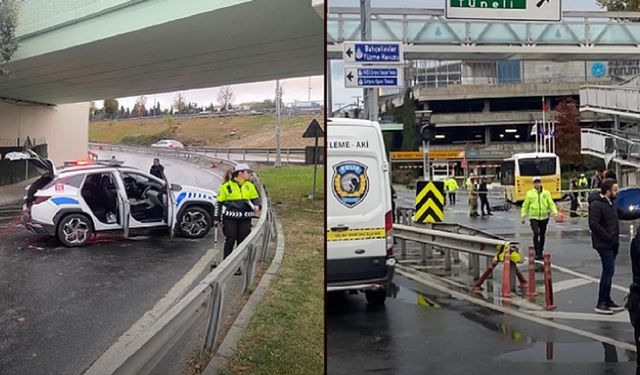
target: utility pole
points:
(370, 95)
(278, 113)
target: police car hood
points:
(194, 193)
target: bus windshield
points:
(537, 167)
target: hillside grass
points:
(252, 131)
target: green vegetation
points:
(286, 334)
(252, 131)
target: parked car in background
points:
(168, 143)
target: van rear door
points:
(358, 201)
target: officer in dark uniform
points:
(157, 169)
(237, 202)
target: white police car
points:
(88, 197)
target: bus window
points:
(537, 166)
(508, 173)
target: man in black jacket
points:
(157, 169)
(604, 219)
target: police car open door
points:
(170, 207)
(125, 211)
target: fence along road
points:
(202, 307)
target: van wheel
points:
(376, 297)
(195, 222)
(74, 230)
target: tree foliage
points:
(409, 139)
(8, 40)
(568, 132)
(110, 107)
(139, 109)
(620, 5)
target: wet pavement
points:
(61, 308)
(423, 331)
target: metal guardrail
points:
(146, 353)
(288, 155)
(452, 239)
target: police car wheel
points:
(74, 230)
(195, 222)
(376, 297)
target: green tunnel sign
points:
(492, 4)
(512, 10)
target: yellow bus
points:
(517, 173)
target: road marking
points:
(432, 283)
(586, 277)
(620, 317)
(567, 284)
(142, 325)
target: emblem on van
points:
(350, 183)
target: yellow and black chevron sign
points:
(430, 202)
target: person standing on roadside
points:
(157, 169)
(583, 183)
(473, 196)
(604, 218)
(451, 185)
(238, 201)
(538, 204)
(484, 198)
(597, 178)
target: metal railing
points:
(146, 353)
(429, 26)
(452, 239)
(288, 155)
(622, 150)
(616, 99)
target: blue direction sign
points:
(373, 76)
(372, 52)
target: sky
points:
(293, 89)
(343, 96)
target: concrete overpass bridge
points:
(75, 51)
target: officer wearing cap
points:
(583, 183)
(238, 201)
(537, 205)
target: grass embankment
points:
(252, 131)
(286, 333)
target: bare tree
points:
(226, 97)
(180, 103)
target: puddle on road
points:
(591, 352)
(536, 351)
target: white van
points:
(359, 214)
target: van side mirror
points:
(176, 187)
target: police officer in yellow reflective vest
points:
(238, 201)
(537, 205)
(451, 185)
(583, 183)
